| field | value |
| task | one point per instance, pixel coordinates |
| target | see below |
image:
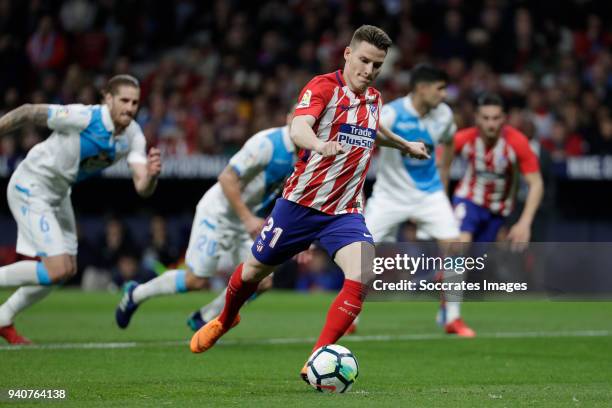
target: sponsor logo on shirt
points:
(356, 136)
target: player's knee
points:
(255, 271)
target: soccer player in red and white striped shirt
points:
(335, 125)
(496, 153)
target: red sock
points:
(342, 312)
(238, 292)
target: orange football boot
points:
(208, 335)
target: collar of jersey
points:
(409, 106)
(106, 119)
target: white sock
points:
(453, 297)
(168, 283)
(21, 299)
(23, 273)
(214, 308)
(453, 311)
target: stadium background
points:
(213, 73)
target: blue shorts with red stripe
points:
(479, 221)
(291, 228)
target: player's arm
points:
(448, 154)
(230, 184)
(447, 142)
(145, 175)
(387, 138)
(305, 138)
(33, 114)
(521, 231)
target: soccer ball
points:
(332, 368)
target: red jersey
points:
(334, 184)
(492, 175)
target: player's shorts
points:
(211, 238)
(477, 220)
(43, 229)
(431, 212)
(291, 228)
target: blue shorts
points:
(291, 228)
(477, 220)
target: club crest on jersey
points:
(356, 136)
(305, 102)
(259, 246)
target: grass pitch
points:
(527, 354)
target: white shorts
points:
(210, 239)
(43, 229)
(432, 213)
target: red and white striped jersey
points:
(492, 174)
(334, 184)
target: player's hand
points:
(519, 236)
(416, 150)
(306, 256)
(253, 225)
(154, 162)
(330, 148)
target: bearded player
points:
(496, 155)
(85, 140)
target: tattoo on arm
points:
(25, 114)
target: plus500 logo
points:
(356, 136)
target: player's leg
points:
(55, 233)
(242, 285)
(353, 259)
(208, 312)
(436, 219)
(290, 229)
(39, 234)
(202, 258)
(344, 240)
(22, 298)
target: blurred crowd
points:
(215, 72)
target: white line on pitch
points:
(306, 340)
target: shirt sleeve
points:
(314, 97)
(138, 148)
(527, 160)
(449, 131)
(460, 138)
(253, 157)
(388, 116)
(68, 117)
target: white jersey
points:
(82, 144)
(263, 165)
(400, 176)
